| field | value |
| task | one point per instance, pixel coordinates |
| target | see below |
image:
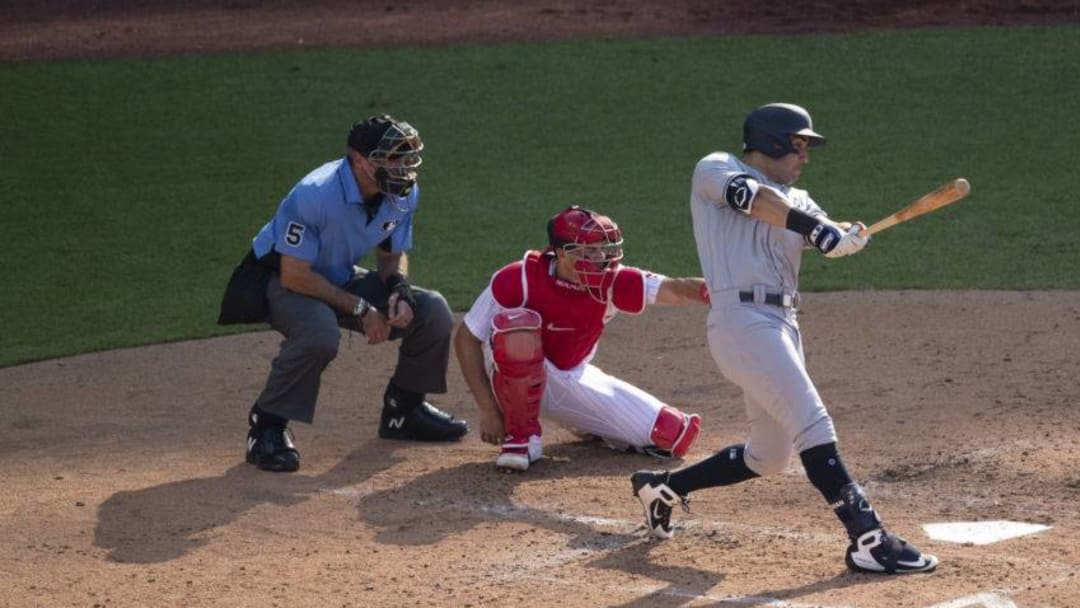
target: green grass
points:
(131, 187)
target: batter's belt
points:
(760, 294)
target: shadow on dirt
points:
(451, 501)
(688, 584)
(163, 522)
(456, 499)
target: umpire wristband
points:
(394, 280)
(362, 307)
(397, 283)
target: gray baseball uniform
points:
(752, 270)
(751, 227)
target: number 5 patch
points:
(294, 234)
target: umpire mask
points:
(393, 148)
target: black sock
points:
(259, 417)
(721, 469)
(403, 400)
(825, 470)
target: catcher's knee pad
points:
(675, 431)
(519, 377)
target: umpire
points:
(300, 277)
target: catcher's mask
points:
(594, 242)
(391, 146)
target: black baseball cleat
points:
(271, 448)
(879, 552)
(657, 498)
(423, 422)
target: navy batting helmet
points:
(769, 128)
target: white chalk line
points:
(675, 591)
(979, 600)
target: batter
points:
(751, 226)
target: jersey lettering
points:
(740, 193)
(294, 234)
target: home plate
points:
(980, 532)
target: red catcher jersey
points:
(573, 320)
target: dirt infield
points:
(124, 475)
(43, 29)
(125, 484)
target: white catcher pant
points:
(588, 401)
(758, 347)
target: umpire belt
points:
(758, 295)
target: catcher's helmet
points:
(594, 241)
(769, 128)
(393, 147)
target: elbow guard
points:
(740, 192)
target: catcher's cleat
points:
(271, 448)
(658, 499)
(880, 552)
(518, 454)
(423, 422)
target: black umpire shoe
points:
(271, 448)
(418, 421)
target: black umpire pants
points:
(312, 331)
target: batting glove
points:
(825, 237)
(849, 244)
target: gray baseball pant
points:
(311, 330)
(760, 349)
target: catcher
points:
(526, 344)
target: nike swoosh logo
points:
(553, 327)
(656, 514)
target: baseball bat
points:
(931, 201)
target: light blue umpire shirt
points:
(322, 220)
